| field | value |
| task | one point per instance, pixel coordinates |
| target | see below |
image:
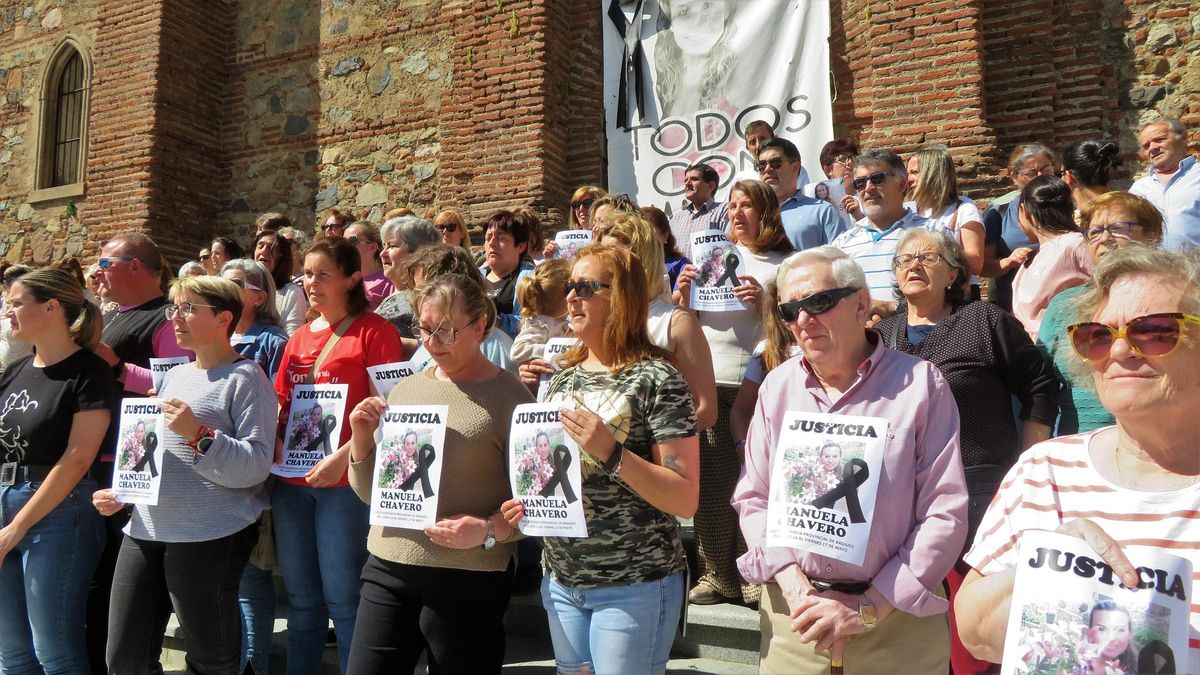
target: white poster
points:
(717, 261)
(137, 471)
(683, 78)
(555, 347)
(570, 242)
(824, 479)
(313, 427)
(831, 191)
(408, 466)
(1070, 613)
(543, 471)
(160, 366)
(388, 375)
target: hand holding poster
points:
(543, 471)
(555, 347)
(1070, 613)
(717, 261)
(408, 466)
(824, 478)
(159, 368)
(386, 376)
(314, 423)
(569, 243)
(137, 471)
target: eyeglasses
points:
(450, 227)
(204, 257)
(243, 283)
(929, 259)
(446, 336)
(1149, 335)
(584, 288)
(184, 309)
(774, 163)
(1119, 230)
(330, 227)
(105, 263)
(582, 204)
(815, 304)
(1047, 170)
(844, 159)
(877, 178)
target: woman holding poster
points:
(187, 552)
(1136, 329)
(445, 587)
(57, 404)
(320, 525)
(614, 598)
(864, 559)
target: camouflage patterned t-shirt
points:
(629, 540)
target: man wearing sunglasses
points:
(1173, 184)
(756, 134)
(699, 211)
(880, 180)
(808, 222)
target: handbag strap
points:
(338, 332)
(954, 219)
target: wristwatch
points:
(866, 612)
(490, 540)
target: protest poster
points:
(555, 347)
(313, 427)
(544, 473)
(1071, 614)
(137, 471)
(570, 242)
(388, 375)
(408, 466)
(824, 479)
(160, 366)
(717, 261)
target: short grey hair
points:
(1023, 152)
(846, 272)
(947, 245)
(1175, 126)
(413, 231)
(257, 274)
(298, 237)
(189, 266)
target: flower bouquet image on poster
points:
(137, 471)
(1071, 614)
(160, 366)
(388, 375)
(313, 426)
(544, 473)
(555, 347)
(824, 480)
(717, 263)
(408, 466)
(570, 242)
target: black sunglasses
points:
(817, 303)
(877, 178)
(774, 163)
(584, 288)
(447, 227)
(586, 204)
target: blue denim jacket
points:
(263, 344)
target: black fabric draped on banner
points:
(633, 61)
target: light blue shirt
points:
(810, 222)
(1179, 201)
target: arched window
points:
(63, 123)
(68, 123)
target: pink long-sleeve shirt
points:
(920, 519)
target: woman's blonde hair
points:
(771, 235)
(625, 335)
(585, 192)
(457, 216)
(936, 180)
(779, 339)
(83, 318)
(221, 293)
(540, 293)
(637, 233)
(444, 290)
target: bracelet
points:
(202, 434)
(613, 464)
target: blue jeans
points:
(321, 541)
(44, 583)
(256, 595)
(613, 629)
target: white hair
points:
(846, 272)
(413, 231)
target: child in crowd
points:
(543, 309)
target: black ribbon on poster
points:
(328, 424)
(854, 474)
(425, 457)
(1157, 658)
(731, 264)
(560, 459)
(633, 61)
(149, 445)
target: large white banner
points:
(695, 73)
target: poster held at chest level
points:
(543, 471)
(555, 348)
(717, 263)
(570, 242)
(313, 427)
(137, 471)
(408, 466)
(388, 375)
(160, 366)
(1071, 614)
(825, 472)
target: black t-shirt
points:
(37, 405)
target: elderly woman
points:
(1137, 333)
(445, 588)
(890, 603)
(366, 238)
(1109, 221)
(401, 238)
(614, 598)
(274, 252)
(1007, 245)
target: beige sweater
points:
(474, 469)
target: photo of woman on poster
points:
(137, 450)
(534, 465)
(829, 472)
(693, 61)
(399, 460)
(1109, 649)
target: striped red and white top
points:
(1056, 481)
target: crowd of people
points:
(1036, 364)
